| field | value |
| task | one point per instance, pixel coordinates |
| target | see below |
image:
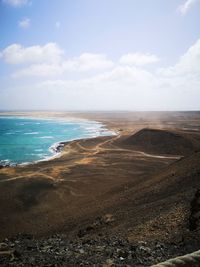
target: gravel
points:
(56, 251)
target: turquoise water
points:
(25, 140)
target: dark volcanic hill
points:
(158, 141)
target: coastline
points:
(56, 148)
(110, 188)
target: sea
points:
(26, 140)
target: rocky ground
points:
(57, 250)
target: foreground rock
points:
(57, 250)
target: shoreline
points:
(56, 148)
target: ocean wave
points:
(74, 130)
(9, 133)
(12, 133)
(42, 155)
(46, 137)
(31, 133)
(5, 162)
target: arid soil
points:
(138, 185)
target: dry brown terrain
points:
(140, 183)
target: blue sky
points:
(100, 54)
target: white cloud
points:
(185, 7)
(114, 86)
(132, 87)
(84, 63)
(16, 3)
(58, 24)
(138, 59)
(40, 70)
(17, 54)
(87, 62)
(49, 60)
(188, 64)
(24, 23)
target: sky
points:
(100, 55)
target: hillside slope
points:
(158, 141)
